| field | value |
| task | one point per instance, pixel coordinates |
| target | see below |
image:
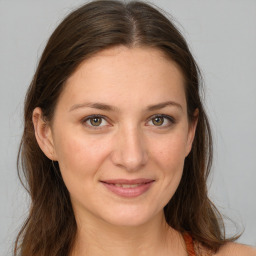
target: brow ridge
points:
(107, 107)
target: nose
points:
(129, 151)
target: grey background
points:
(222, 36)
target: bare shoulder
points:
(235, 249)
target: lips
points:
(128, 188)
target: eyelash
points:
(170, 119)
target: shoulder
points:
(235, 249)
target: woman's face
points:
(121, 133)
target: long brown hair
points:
(50, 228)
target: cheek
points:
(80, 155)
(170, 151)
(169, 155)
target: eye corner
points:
(171, 120)
(85, 120)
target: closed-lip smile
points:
(128, 188)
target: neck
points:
(104, 239)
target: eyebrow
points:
(103, 106)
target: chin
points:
(129, 217)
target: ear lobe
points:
(43, 134)
(192, 131)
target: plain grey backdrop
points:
(222, 37)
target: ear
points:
(43, 134)
(192, 131)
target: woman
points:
(117, 147)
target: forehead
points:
(120, 73)
(122, 58)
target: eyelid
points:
(84, 120)
(169, 118)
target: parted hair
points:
(50, 228)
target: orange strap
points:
(189, 244)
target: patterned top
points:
(194, 248)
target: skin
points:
(127, 144)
